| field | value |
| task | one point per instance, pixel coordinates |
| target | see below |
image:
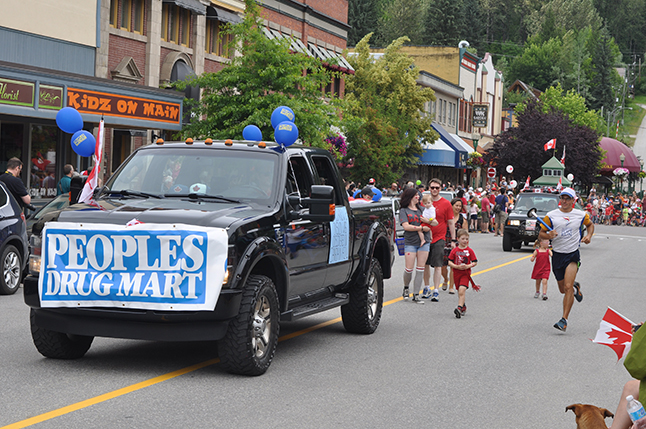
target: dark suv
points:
(520, 229)
(14, 249)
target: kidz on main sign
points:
(144, 266)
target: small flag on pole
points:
(559, 186)
(563, 157)
(550, 144)
(526, 184)
(616, 332)
(92, 181)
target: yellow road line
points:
(138, 386)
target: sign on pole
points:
(491, 172)
(480, 115)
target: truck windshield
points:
(172, 172)
(542, 202)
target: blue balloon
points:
(282, 114)
(286, 133)
(378, 194)
(83, 143)
(69, 120)
(252, 132)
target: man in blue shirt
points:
(501, 215)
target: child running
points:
(541, 272)
(461, 260)
(428, 213)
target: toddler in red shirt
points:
(461, 259)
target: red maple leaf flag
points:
(563, 157)
(526, 184)
(615, 331)
(92, 181)
(550, 144)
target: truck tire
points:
(250, 342)
(58, 345)
(506, 242)
(517, 245)
(10, 270)
(363, 313)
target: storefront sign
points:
(480, 115)
(468, 63)
(50, 97)
(100, 103)
(16, 92)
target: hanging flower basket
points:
(475, 160)
(338, 146)
(620, 172)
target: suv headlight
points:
(35, 244)
(514, 222)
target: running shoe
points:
(406, 293)
(426, 293)
(444, 286)
(577, 292)
(457, 312)
(464, 309)
(561, 325)
(544, 297)
(416, 299)
(537, 294)
(436, 296)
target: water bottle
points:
(635, 408)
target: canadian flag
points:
(92, 181)
(563, 157)
(526, 184)
(559, 185)
(616, 332)
(550, 144)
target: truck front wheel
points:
(58, 345)
(363, 313)
(250, 342)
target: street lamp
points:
(622, 158)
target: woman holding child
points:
(415, 248)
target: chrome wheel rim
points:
(11, 271)
(261, 330)
(373, 296)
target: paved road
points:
(503, 365)
(639, 149)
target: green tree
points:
(522, 146)
(265, 76)
(569, 104)
(443, 23)
(538, 65)
(603, 72)
(401, 18)
(363, 18)
(556, 17)
(384, 126)
(626, 21)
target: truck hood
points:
(176, 210)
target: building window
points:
(444, 111)
(176, 24)
(127, 15)
(217, 42)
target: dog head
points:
(589, 416)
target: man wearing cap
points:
(566, 224)
(364, 196)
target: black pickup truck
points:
(209, 241)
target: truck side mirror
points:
(321, 204)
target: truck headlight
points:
(34, 265)
(514, 222)
(34, 258)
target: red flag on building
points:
(563, 157)
(526, 184)
(550, 144)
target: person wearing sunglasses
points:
(566, 222)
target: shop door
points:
(43, 176)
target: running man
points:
(566, 222)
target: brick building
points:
(113, 59)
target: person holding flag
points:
(565, 223)
(87, 194)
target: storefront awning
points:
(438, 154)
(461, 154)
(214, 12)
(464, 145)
(192, 5)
